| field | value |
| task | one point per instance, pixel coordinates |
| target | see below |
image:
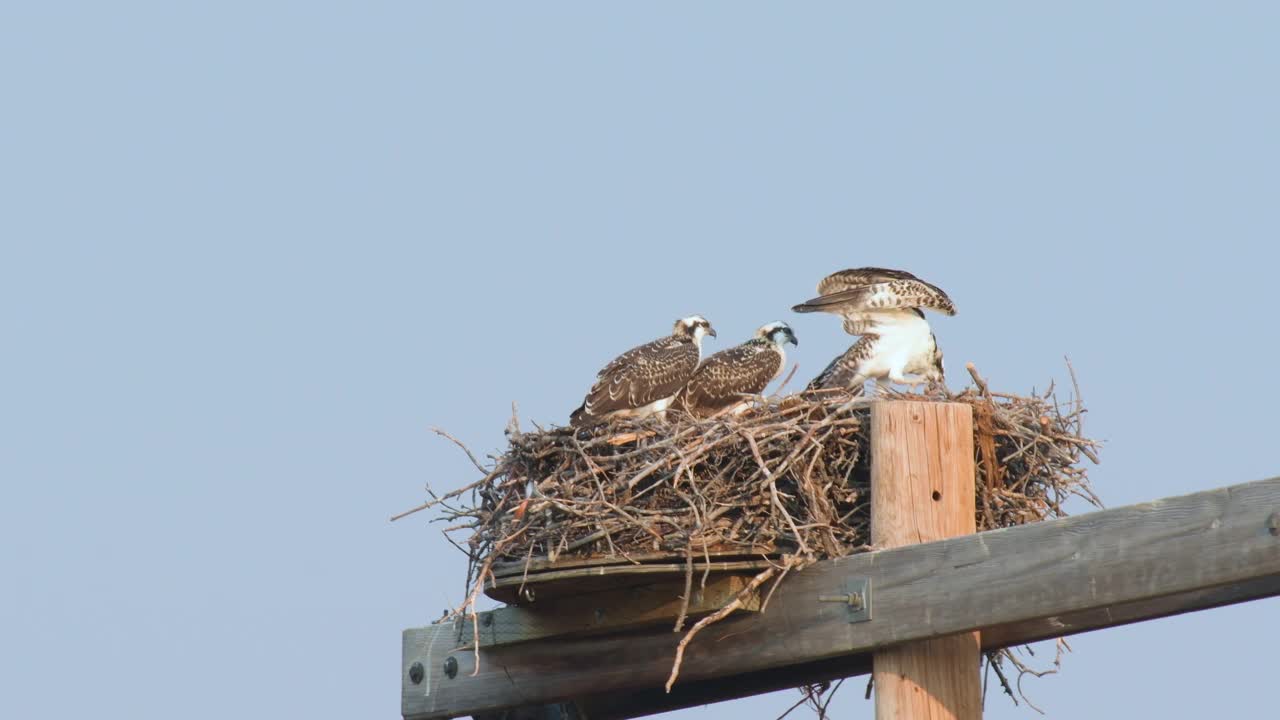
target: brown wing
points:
(879, 322)
(725, 377)
(845, 369)
(875, 289)
(858, 277)
(640, 376)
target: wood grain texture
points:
(1016, 585)
(638, 703)
(601, 612)
(538, 564)
(920, 451)
(922, 490)
(555, 584)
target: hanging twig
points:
(713, 617)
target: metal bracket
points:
(857, 598)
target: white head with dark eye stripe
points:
(694, 326)
(779, 333)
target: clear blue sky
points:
(252, 251)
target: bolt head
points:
(451, 667)
(416, 673)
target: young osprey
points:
(884, 307)
(722, 382)
(643, 380)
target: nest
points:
(790, 477)
(788, 481)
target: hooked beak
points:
(711, 331)
(792, 337)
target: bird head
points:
(778, 333)
(694, 326)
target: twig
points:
(713, 617)
(777, 392)
(977, 379)
(688, 587)
(465, 449)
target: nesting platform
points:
(654, 520)
(521, 583)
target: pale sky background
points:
(252, 251)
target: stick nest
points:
(787, 481)
(789, 477)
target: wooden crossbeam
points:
(1015, 585)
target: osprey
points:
(720, 383)
(643, 380)
(884, 307)
(880, 356)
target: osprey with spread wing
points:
(886, 308)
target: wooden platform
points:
(654, 600)
(577, 596)
(543, 581)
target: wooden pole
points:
(922, 489)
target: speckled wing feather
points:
(874, 289)
(723, 378)
(845, 369)
(858, 277)
(640, 376)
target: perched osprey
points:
(722, 381)
(884, 307)
(887, 355)
(643, 380)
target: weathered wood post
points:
(922, 489)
